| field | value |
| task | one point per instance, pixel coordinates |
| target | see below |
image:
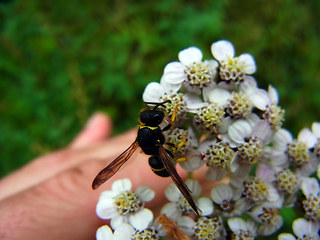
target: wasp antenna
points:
(157, 104)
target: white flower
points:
(259, 188)
(125, 231)
(179, 206)
(249, 137)
(190, 70)
(104, 233)
(228, 200)
(218, 156)
(122, 205)
(232, 68)
(181, 144)
(163, 92)
(203, 227)
(316, 132)
(268, 215)
(287, 150)
(311, 190)
(303, 229)
(242, 229)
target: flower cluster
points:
(231, 130)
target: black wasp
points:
(151, 140)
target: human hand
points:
(51, 197)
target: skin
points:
(51, 197)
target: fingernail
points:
(93, 120)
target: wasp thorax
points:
(127, 202)
(298, 153)
(209, 228)
(151, 117)
(199, 74)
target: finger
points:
(64, 206)
(51, 164)
(97, 129)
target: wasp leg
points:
(173, 118)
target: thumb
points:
(97, 129)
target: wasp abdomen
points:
(157, 166)
(149, 139)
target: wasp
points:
(151, 140)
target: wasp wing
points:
(114, 166)
(167, 162)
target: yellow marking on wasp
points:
(158, 170)
(183, 159)
(152, 128)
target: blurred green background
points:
(61, 61)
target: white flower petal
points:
(247, 63)
(307, 137)
(265, 173)
(216, 95)
(310, 186)
(262, 131)
(192, 164)
(123, 232)
(104, 233)
(239, 130)
(221, 192)
(186, 224)
(190, 55)
(273, 194)
(105, 208)
(153, 92)
(194, 186)
(316, 129)
(205, 205)
(169, 87)
(301, 227)
(193, 102)
(171, 211)
(260, 99)
(172, 193)
(236, 224)
(212, 66)
(215, 174)
(122, 185)
(249, 85)
(222, 50)
(145, 193)
(286, 236)
(281, 139)
(141, 219)
(273, 95)
(174, 73)
(118, 220)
